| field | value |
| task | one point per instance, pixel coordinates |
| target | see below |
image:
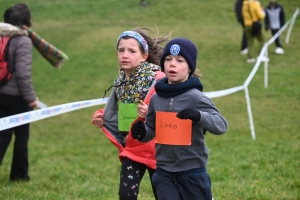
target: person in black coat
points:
(274, 20)
(238, 11)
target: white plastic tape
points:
(221, 93)
(41, 105)
(46, 112)
(35, 115)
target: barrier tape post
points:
(291, 25)
(249, 112)
(266, 69)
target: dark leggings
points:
(277, 41)
(11, 105)
(193, 184)
(130, 178)
(244, 43)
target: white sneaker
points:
(279, 50)
(264, 59)
(251, 60)
(244, 51)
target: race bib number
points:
(172, 130)
(127, 113)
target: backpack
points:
(5, 72)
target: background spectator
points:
(252, 12)
(275, 19)
(17, 96)
(238, 11)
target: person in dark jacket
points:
(17, 96)
(238, 11)
(274, 20)
(178, 116)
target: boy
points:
(178, 116)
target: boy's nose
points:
(173, 62)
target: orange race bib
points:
(172, 130)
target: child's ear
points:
(144, 57)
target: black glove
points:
(138, 130)
(189, 113)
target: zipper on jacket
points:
(171, 104)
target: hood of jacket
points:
(10, 30)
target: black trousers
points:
(11, 105)
(193, 184)
(130, 178)
(244, 42)
(277, 41)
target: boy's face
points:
(176, 69)
(129, 55)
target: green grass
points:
(71, 159)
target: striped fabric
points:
(53, 55)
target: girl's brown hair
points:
(19, 14)
(155, 44)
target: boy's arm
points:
(211, 119)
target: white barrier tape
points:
(292, 25)
(35, 115)
(41, 105)
(45, 112)
(223, 92)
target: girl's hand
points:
(142, 109)
(98, 120)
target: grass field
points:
(71, 159)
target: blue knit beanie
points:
(183, 47)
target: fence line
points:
(264, 54)
(35, 115)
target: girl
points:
(181, 164)
(138, 56)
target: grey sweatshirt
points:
(177, 158)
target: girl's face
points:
(176, 69)
(130, 55)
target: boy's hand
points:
(138, 130)
(142, 109)
(189, 113)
